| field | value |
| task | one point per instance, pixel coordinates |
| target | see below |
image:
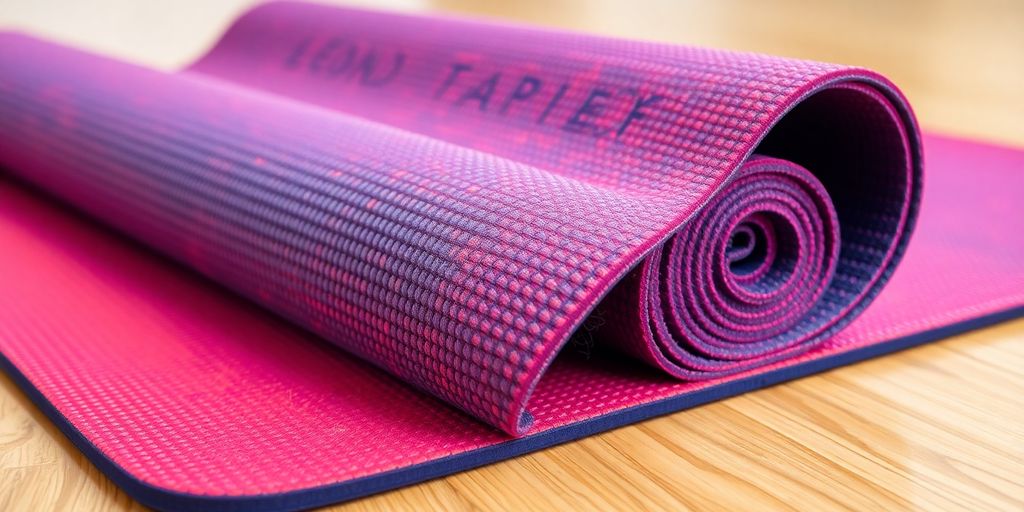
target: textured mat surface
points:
(450, 206)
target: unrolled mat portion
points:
(453, 202)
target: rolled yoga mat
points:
(421, 213)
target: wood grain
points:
(936, 427)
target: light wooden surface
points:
(936, 428)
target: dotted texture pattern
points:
(449, 201)
(458, 244)
(196, 395)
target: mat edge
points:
(165, 499)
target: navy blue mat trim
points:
(163, 499)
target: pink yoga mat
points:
(341, 252)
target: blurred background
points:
(960, 62)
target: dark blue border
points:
(163, 499)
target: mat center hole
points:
(747, 249)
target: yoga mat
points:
(366, 236)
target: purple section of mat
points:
(458, 248)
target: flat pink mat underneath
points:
(176, 387)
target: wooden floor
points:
(937, 427)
